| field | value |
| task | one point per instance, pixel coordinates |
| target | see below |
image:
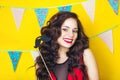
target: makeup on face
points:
(69, 33)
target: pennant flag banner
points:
(41, 15)
(35, 54)
(114, 5)
(107, 38)
(89, 7)
(17, 13)
(65, 8)
(15, 56)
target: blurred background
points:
(21, 21)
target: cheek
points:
(75, 37)
(60, 39)
(62, 35)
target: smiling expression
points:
(69, 33)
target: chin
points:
(68, 46)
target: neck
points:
(62, 54)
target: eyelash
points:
(64, 29)
(75, 31)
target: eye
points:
(64, 29)
(75, 31)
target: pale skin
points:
(89, 61)
(69, 30)
(66, 40)
(91, 65)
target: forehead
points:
(70, 22)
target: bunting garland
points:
(35, 54)
(89, 7)
(101, 23)
(16, 12)
(14, 56)
(41, 15)
(107, 38)
(114, 5)
(65, 8)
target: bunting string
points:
(43, 16)
(91, 37)
(76, 3)
(41, 13)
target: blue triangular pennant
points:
(41, 15)
(114, 5)
(14, 55)
(65, 8)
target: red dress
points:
(78, 73)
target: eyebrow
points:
(68, 27)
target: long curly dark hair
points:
(49, 50)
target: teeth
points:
(68, 40)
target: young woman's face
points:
(69, 33)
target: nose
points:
(71, 33)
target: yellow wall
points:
(23, 39)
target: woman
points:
(65, 53)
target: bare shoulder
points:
(91, 65)
(88, 56)
(87, 52)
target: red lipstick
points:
(68, 40)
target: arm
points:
(36, 67)
(91, 65)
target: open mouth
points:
(68, 40)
